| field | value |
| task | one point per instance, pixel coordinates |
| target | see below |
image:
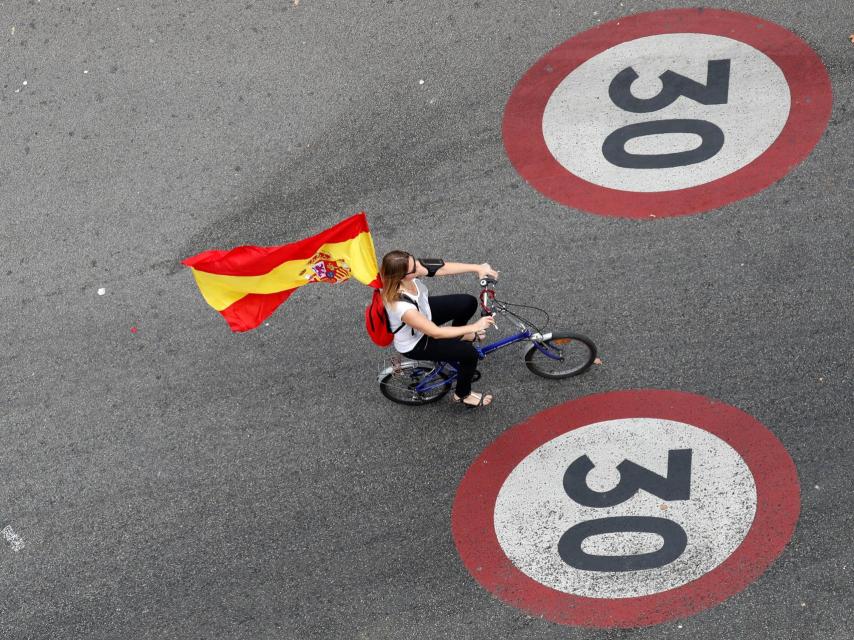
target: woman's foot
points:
(474, 336)
(475, 399)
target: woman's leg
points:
(458, 308)
(453, 350)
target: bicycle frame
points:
(428, 382)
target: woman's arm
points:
(454, 268)
(419, 322)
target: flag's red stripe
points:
(256, 261)
(252, 309)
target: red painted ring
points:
(777, 509)
(811, 103)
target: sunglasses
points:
(414, 266)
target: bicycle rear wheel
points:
(573, 354)
(400, 385)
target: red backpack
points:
(376, 321)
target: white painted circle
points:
(579, 114)
(532, 511)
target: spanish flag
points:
(247, 284)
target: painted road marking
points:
(626, 509)
(718, 487)
(608, 147)
(15, 541)
(667, 113)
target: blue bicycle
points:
(555, 355)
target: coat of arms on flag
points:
(324, 268)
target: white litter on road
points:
(102, 291)
(15, 541)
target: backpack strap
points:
(414, 303)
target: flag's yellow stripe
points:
(221, 291)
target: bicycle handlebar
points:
(489, 306)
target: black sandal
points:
(480, 402)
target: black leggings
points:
(458, 309)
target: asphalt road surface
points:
(164, 478)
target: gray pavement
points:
(183, 482)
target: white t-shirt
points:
(406, 339)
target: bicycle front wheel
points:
(561, 355)
(400, 386)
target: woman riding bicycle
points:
(416, 317)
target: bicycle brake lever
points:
(492, 315)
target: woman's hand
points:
(484, 270)
(483, 324)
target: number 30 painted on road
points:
(667, 113)
(626, 509)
